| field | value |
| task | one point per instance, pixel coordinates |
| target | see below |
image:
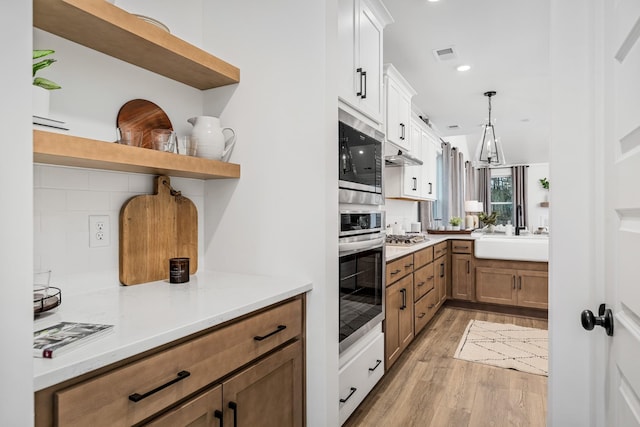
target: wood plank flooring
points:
(427, 387)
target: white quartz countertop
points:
(394, 252)
(152, 314)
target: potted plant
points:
(489, 220)
(455, 223)
(544, 183)
(42, 86)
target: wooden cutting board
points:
(153, 229)
(145, 116)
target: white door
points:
(622, 210)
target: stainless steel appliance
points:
(361, 245)
(359, 161)
(405, 239)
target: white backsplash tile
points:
(142, 184)
(64, 178)
(49, 200)
(88, 201)
(108, 181)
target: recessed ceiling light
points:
(433, 1)
(525, 120)
(464, 68)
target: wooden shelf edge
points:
(106, 28)
(66, 150)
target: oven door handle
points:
(359, 246)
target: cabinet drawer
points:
(106, 400)
(423, 257)
(399, 268)
(424, 310)
(462, 246)
(360, 373)
(439, 250)
(423, 281)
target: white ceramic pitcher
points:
(211, 139)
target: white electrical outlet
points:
(99, 231)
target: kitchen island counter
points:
(149, 315)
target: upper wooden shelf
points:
(104, 27)
(66, 150)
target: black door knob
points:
(605, 319)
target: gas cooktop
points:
(405, 239)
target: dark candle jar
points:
(178, 270)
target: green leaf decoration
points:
(42, 64)
(45, 84)
(40, 53)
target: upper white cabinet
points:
(398, 108)
(360, 30)
(430, 151)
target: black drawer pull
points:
(395, 272)
(430, 277)
(218, 414)
(137, 397)
(234, 407)
(403, 291)
(408, 265)
(378, 362)
(421, 315)
(460, 247)
(280, 328)
(431, 305)
(353, 390)
(421, 284)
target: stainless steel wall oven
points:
(361, 246)
(360, 161)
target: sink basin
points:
(532, 247)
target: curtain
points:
(453, 187)
(519, 174)
(484, 189)
(470, 181)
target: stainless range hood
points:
(401, 159)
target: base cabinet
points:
(360, 372)
(441, 266)
(462, 276)
(261, 356)
(398, 331)
(514, 287)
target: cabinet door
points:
(398, 330)
(533, 289)
(423, 281)
(370, 53)
(496, 285)
(268, 393)
(348, 78)
(461, 276)
(428, 167)
(205, 410)
(440, 266)
(394, 130)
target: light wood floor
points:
(427, 387)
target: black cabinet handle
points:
(395, 272)
(218, 414)
(408, 265)
(468, 266)
(137, 397)
(421, 315)
(359, 71)
(421, 284)
(431, 306)
(364, 75)
(378, 362)
(234, 407)
(430, 278)
(514, 281)
(278, 329)
(415, 184)
(430, 188)
(403, 291)
(520, 283)
(442, 269)
(353, 390)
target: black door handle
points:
(404, 298)
(278, 329)
(137, 397)
(378, 362)
(604, 319)
(364, 94)
(353, 390)
(218, 414)
(359, 71)
(234, 407)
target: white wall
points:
(573, 264)
(16, 318)
(280, 218)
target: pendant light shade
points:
(489, 151)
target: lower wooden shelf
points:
(66, 150)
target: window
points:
(502, 195)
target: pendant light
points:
(489, 151)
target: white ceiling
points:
(506, 43)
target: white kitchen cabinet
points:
(360, 370)
(360, 30)
(398, 108)
(430, 149)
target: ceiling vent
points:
(445, 54)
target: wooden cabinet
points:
(441, 268)
(462, 270)
(106, 28)
(399, 268)
(498, 283)
(423, 281)
(360, 31)
(201, 411)
(134, 391)
(398, 330)
(425, 309)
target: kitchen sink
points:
(531, 247)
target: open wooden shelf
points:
(66, 150)
(104, 27)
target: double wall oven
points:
(362, 231)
